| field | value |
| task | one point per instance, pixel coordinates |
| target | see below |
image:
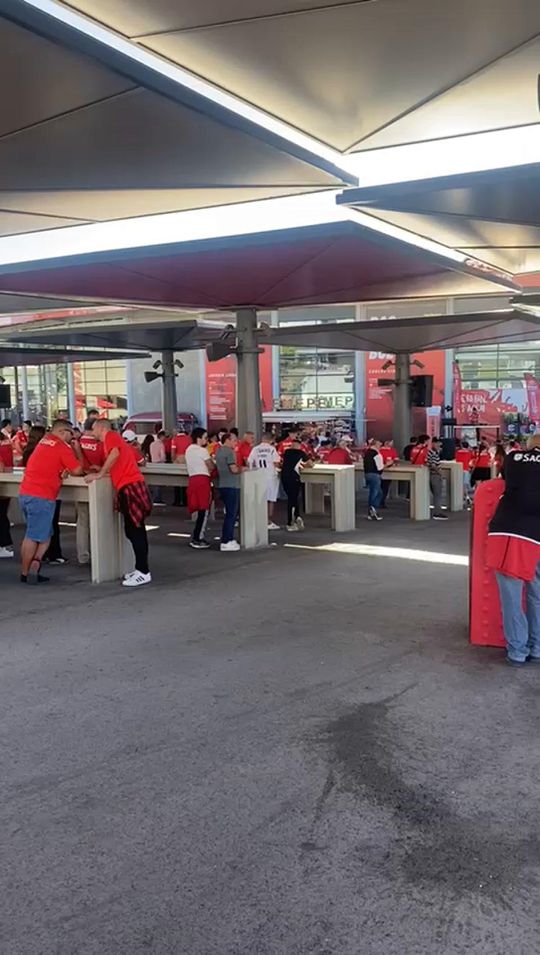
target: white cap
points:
(129, 435)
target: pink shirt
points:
(157, 452)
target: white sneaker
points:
(273, 527)
(5, 552)
(137, 579)
(230, 546)
(293, 528)
(300, 523)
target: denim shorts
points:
(38, 514)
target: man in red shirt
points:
(133, 498)
(40, 486)
(243, 449)
(92, 457)
(420, 452)
(340, 454)
(288, 442)
(20, 440)
(179, 445)
(389, 456)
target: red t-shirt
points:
(464, 457)
(284, 446)
(339, 456)
(419, 455)
(92, 449)
(243, 452)
(389, 454)
(124, 470)
(6, 453)
(43, 474)
(288, 443)
(481, 459)
(180, 444)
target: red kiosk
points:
(485, 620)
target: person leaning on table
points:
(51, 460)
(132, 496)
(513, 551)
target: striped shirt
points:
(433, 461)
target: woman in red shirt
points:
(481, 464)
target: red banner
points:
(221, 393)
(379, 399)
(533, 397)
(221, 389)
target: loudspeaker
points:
(422, 391)
(448, 449)
(5, 396)
(215, 351)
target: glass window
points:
(313, 379)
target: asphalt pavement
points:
(288, 752)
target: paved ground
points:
(288, 753)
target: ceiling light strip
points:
(116, 43)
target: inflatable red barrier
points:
(485, 621)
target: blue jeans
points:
(521, 629)
(374, 486)
(231, 502)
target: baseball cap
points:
(129, 435)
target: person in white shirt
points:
(266, 456)
(199, 466)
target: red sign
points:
(379, 399)
(221, 389)
(221, 393)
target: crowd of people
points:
(214, 464)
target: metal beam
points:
(249, 411)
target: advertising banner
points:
(498, 407)
(221, 389)
(379, 398)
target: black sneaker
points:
(440, 517)
(199, 545)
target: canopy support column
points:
(24, 394)
(170, 407)
(248, 404)
(402, 402)
(71, 397)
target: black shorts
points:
(480, 474)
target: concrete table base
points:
(340, 480)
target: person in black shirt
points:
(294, 459)
(514, 553)
(373, 469)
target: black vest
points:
(518, 511)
